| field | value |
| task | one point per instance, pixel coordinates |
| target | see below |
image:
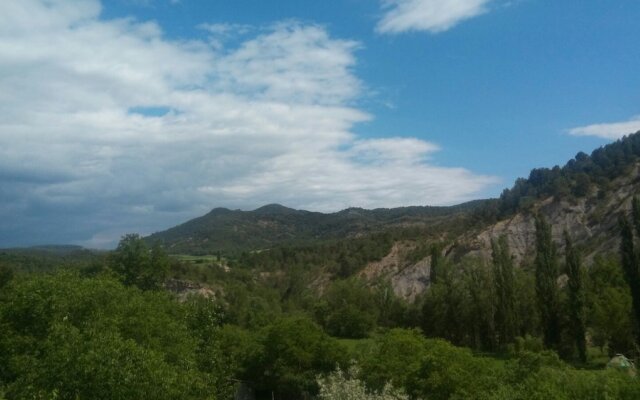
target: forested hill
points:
(576, 179)
(274, 225)
(585, 178)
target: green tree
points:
(610, 306)
(478, 306)
(629, 259)
(393, 357)
(447, 372)
(526, 303)
(72, 337)
(436, 262)
(443, 304)
(546, 283)
(351, 311)
(6, 275)
(137, 264)
(505, 316)
(577, 316)
(294, 351)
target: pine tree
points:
(546, 283)
(505, 317)
(577, 316)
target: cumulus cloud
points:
(427, 15)
(107, 127)
(611, 130)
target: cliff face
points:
(407, 279)
(592, 222)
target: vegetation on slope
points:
(296, 322)
(275, 226)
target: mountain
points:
(276, 225)
(576, 195)
(585, 197)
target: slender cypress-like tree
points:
(436, 260)
(635, 212)
(630, 265)
(577, 314)
(505, 316)
(546, 283)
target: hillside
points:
(585, 197)
(275, 225)
(591, 220)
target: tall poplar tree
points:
(577, 315)
(505, 316)
(546, 283)
(436, 260)
(630, 263)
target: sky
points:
(136, 115)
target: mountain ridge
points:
(273, 224)
(585, 179)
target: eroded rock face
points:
(184, 289)
(408, 280)
(591, 221)
(413, 280)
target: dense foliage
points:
(70, 337)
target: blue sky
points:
(134, 115)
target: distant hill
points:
(276, 225)
(584, 196)
(48, 257)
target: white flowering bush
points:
(343, 385)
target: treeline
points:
(340, 257)
(553, 301)
(576, 179)
(65, 336)
(47, 258)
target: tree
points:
(436, 261)
(505, 316)
(6, 275)
(546, 283)
(629, 260)
(478, 308)
(351, 311)
(69, 337)
(577, 316)
(393, 357)
(442, 309)
(294, 350)
(137, 265)
(610, 316)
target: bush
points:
(341, 385)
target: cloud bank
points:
(107, 127)
(612, 130)
(427, 15)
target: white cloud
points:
(427, 15)
(611, 130)
(267, 120)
